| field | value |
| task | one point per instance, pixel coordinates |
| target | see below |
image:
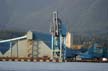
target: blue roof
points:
(45, 37)
(41, 36)
(71, 52)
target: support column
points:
(17, 48)
(64, 48)
(30, 48)
(60, 47)
(30, 43)
(52, 47)
(11, 49)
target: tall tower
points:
(58, 44)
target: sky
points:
(36, 15)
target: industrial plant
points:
(57, 46)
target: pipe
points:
(13, 39)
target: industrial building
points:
(33, 45)
(55, 46)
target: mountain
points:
(80, 15)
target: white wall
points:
(40, 49)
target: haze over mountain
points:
(36, 15)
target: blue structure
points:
(58, 32)
(95, 52)
(90, 53)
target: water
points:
(44, 66)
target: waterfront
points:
(50, 66)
